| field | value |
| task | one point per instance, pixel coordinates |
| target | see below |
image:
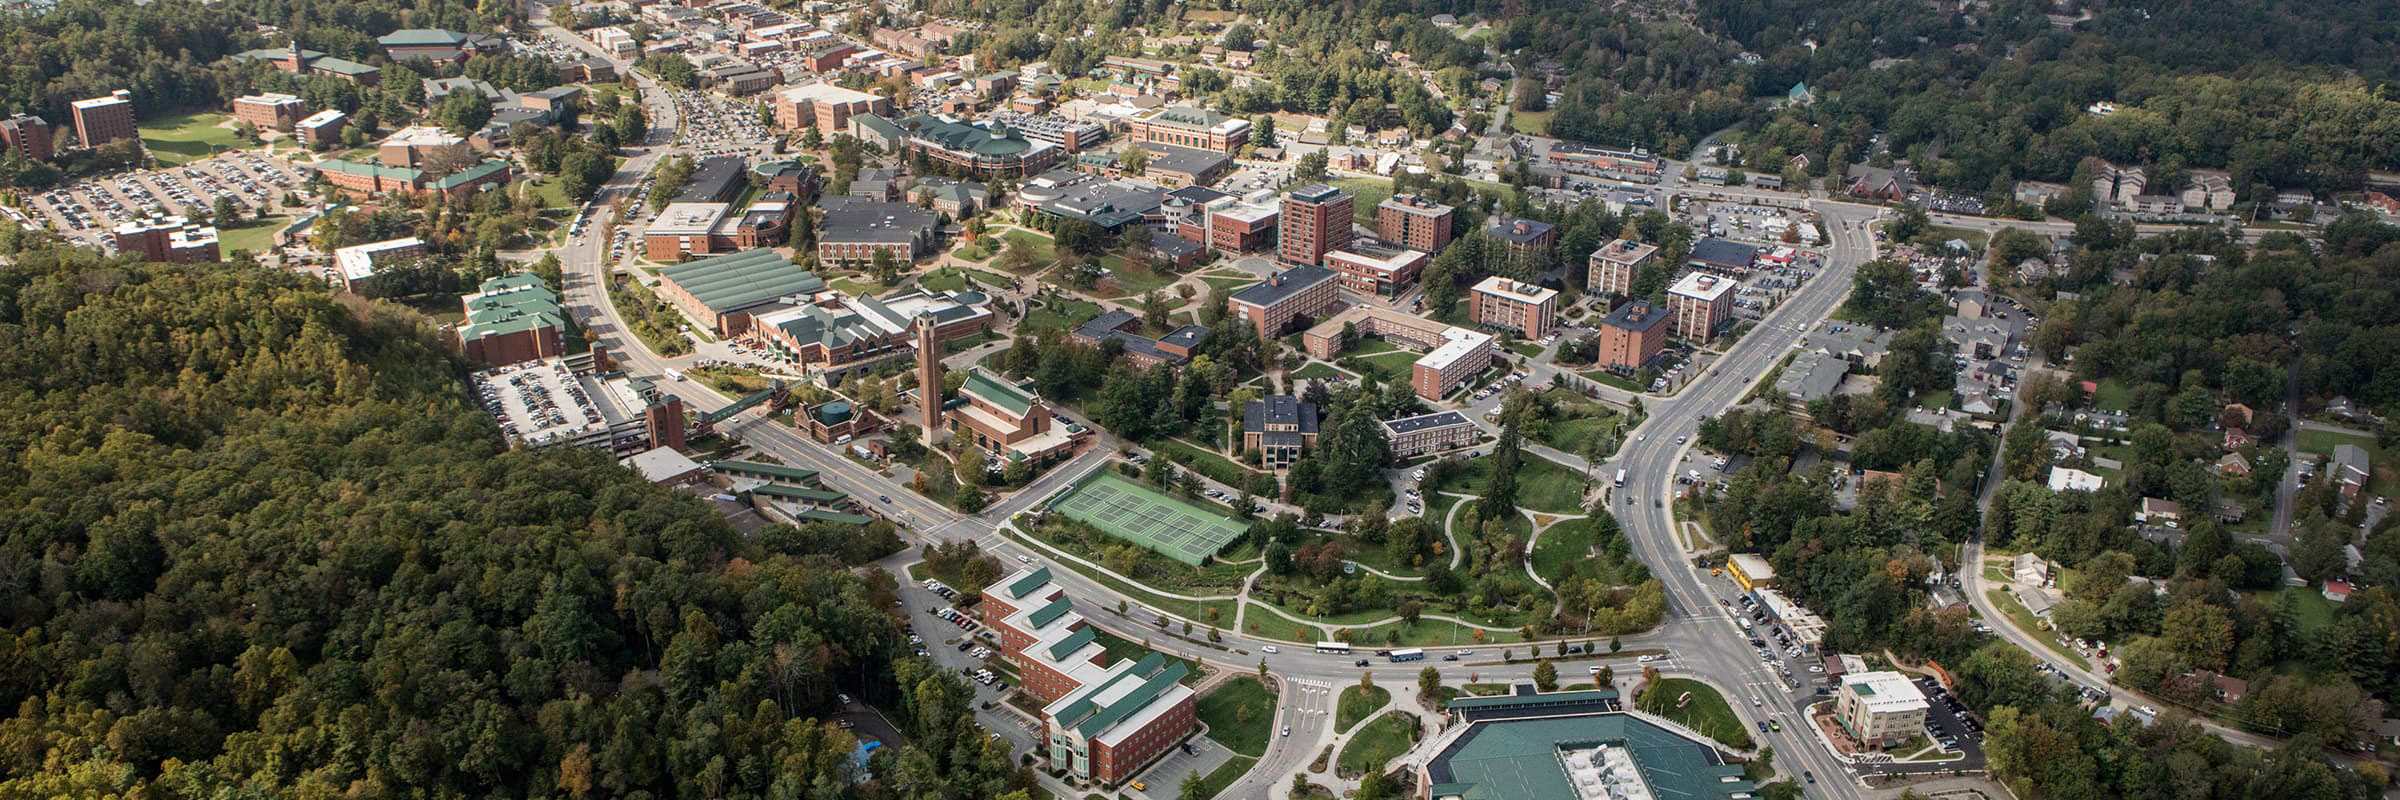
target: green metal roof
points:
(1533, 701)
(822, 515)
(771, 471)
(1518, 759)
(342, 66)
(1082, 704)
(740, 280)
(1134, 701)
(998, 140)
(370, 169)
(1074, 641)
(1050, 613)
(421, 37)
(799, 493)
(997, 392)
(1026, 585)
(471, 174)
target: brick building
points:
(1523, 308)
(101, 120)
(1009, 422)
(1532, 240)
(1615, 265)
(511, 319)
(853, 229)
(826, 107)
(1370, 267)
(1632, 335)
(1414, 221)
(1315, 220)
(29, 135)
(1102, 722)
(1451, 355)
(299, 61)
(1186, 126)
(1279, 428)
(171, 240)
(1430, 433)
(322, 129)
(270, 111)
(1272, 306)
(1698, 304)
(724, 294)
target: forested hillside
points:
(254, 542)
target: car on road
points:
(884, 498)
(1269, 649)
(1647, 659)
(1287, 730)
(1140, 786)
(1811, 775)
(1450, 658)
(1360, 663)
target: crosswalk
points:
(1311, 702)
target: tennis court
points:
(1148, 517)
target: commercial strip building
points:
(1527, 310)
(1414, 221)
(104, 119)
(1430, 433)
(269, 110)
(1582, 159)
(1808, 629)
(1271, 306)
(1007, 421)
(1452, 357)
(1750, 571)
(1632, 336)
(1185, 126)
(1315, 221)
(1576, 745)
(852, 230)
(1699, 303)
(1280, 428)
(511, 319)
(1723, 257)
(171, 240)
(1615, 265)
(1370, 267)
(357, 264)
(1101, 722)
(1879, 709)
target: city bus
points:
(1410, 654)
(1620, 479)
(1334, 647)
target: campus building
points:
(1430, 433)
(1615, 265)
(1272, 306)
(368, 178)
(1279, 427)
(581, 400)
(991, 151)
(105, 119)
(356, 266)
(833, 334)
(322, 129)
(1579, 745)
(1227, 224)
(1007, 421)
(1531, 240)
(853, 229)
(1452, 355)
(1101, 722)
(826, 107)
(1110, 203)
(1522, 308)
(1185, 126)
(511, 319)
(270, 111)
(1414, 221)
(1879, 709)
(439, 46)
(28, 135)
(1632, 336)
(1143, 352)
(298, 61)
(724, 294)
(1699, 303)
(686, 229)
(1370, 267)
(171, 240)
(1315, 221)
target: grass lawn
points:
(1394, 365)
(1371, 345)
(2023, 618)
(1532, 122)
(550, 192)
(1368, 191)
(1194, 610)
(2316, 612)
(1356, 703)
(256, 236)
(1705, 712)
(178, 139)
(1380, 741)
(1133, 282)
(970, 251)
(1934, 400)
(1258, 621)
(1561, 546)
(1221, 709)
(1226, 283)
(1612, 379)
(1318, 369)
(1526, 349)
(1431, 633)
(2113, 395)
(1058, 313)
(1044, 250)
(2383, 472)
(1217, 781)
(943, 280)
(1542, 484)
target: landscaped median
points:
(1378, 742)
(1240, 714)
(1697, 706)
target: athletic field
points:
(1148, 517)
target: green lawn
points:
(1705, 712)
(1394, 365)
(1380, 741)
(1533, 122)
(1431, 633)
(1318, 369)
(1356, 703)
(1258, 621)
(1222, 710)
(550, 192)
(1194, 610)
(1226, 283)
(1132, 282)
(1369, 346)
(1561, 546)
(1525, 348)
(1044, 249)
(2383, 472)
(1367, 191)
(2023, 618)
(970, 251)
(2113, 395)
(1936, 400)
(1542, 484)
(177, 139)
(1058, 313)
(1612, 379)
(944, 280)
(257, 236)
(1217, 781)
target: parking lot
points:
(1947, 723)
(87, 210)
(718, 126)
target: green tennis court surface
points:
(1148, 517)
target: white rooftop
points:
(1885, 692)
(687, 219)
(1462, 342)
(660, 463)
(1702, 286)
(1513, 290)
(358, 261)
